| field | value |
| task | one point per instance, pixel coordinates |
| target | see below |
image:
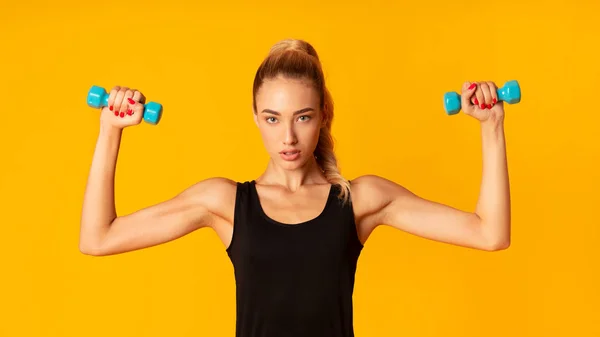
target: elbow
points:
(502, 245)
(88, 251)
(495, 237)
(91, 250)
(497, 245)
(91, 243)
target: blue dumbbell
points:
(98, 98)
(509, 93)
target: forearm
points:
(493, 206)
(99, 201)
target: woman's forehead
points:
(287, 95)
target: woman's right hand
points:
(125, 108)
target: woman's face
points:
(289, 119)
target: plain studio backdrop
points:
(387, 64)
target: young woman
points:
(294, 234)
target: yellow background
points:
(387, 65)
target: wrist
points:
(492, 130)
(492, 125)
(110, 131)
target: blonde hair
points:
(297, 59)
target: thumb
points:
(468, 90)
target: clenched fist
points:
(480, 100)
(125, 108)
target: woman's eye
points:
(273, 119)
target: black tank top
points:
(293, 280)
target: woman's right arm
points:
(102, 232)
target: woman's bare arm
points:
(102, 232)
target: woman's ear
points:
(324, 120)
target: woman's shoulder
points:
(216, 185)
(370, 185)
(217, 194)
(371, 194)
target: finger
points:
(493, 92)
(130, 102)
(137, 109)
(111, 97)
(124, 92)
(139, 97)
(127, 103)
(487, 96)
(468, 89)
(138, 103)
(119, 100)
(480, 96)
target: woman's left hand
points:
(480, 100)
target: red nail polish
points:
(116, 113)
(494, 101)
(483, 105)
(476, 101)
(130, 112)
(489, 106)
(122, 114)
(111, 108)
(130, 101)
(472, 86)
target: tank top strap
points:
(347, 211)
(243, 200)
(242, 212)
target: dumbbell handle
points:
(510, 93)
(98, 98)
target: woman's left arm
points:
(493, 205)
(381, 201)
